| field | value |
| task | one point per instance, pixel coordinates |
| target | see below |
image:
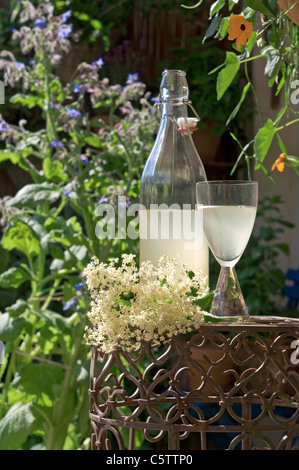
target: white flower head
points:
(131, 305)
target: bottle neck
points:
(174, 109)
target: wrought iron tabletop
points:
(229, 385)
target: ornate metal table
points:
(227, 386)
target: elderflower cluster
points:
(130, 305)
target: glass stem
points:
(228, 298)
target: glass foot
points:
(228, 298)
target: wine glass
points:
(229, 211)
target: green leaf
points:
(33, 194)
(56, 89)
(250, 44)
(48, 339)
(224, 25)
(281, 144)
(96, 24)
(270, 5)
(242, 98)
(16, 309)
(53, 170)
(21, 237)
(27, 100)
(262, 142)
(216, 6)
(205, 302)
(210, 318)
(40, 382)
(55, 319)
(227, 75)
(292, 162)
(81, 16)
(212, 28)
(13, 277)
(273, 60)
(274, 37)
(94, 141)
(262, 6)
(79, 252)
(16, 426)
(284, 248)
(9, 155)
(37, 225)
(266, 171)
(10, 328)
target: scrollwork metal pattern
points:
(229, 385)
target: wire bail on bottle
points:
(183, 123)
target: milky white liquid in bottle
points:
(169, 179)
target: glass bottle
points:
(169, 222)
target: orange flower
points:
(239, 30)
(279, 163)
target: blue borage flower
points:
(72, 113)
(98, 63)
(79, 286)
(3, 126)
(84, 158)
(66, 192)
(124, 204)
(132, 78)
(79, 88)
(40, 23)
(68, 304)
(56, 143)
(64, 31)
(103, 200)
(66, 16)
(20, 64)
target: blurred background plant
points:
(86, 146)
(259, 30)
(259, 270)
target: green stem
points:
(60, 207)
(90, 228)
(50, 125)
(8, 379)
(57, 432)
(243, 61)
(60, 274)
(193, 6)
(129, 162)
(286, 125)
(255, 95)
(44, 415)
(51, 293)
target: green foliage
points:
(207, 56)
(227, 74)
(258, 270)
(273, 43)
(75, 160)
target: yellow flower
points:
(240, 30)
(279, 163)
